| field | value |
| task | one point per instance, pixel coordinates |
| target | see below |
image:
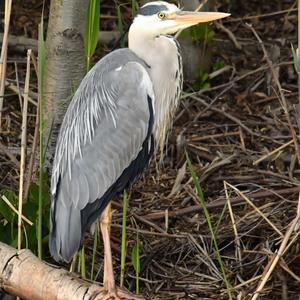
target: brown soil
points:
(249, 111)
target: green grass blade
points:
(135, 259)
(123, 246)
(41, 74)
(73, 264)
(208, 219)
(135, 256)
(120, 25)
(94, 252)
(82, 263)
(297, 59)
(134, 8)
(298, 28)
(91, 30)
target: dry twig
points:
(272, 152)
(15, 211)
(3, 58)
(237, 239)
(282, 96)
(278, 254)
(23, 149)
(35, 139)
(258, 211)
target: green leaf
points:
(30, 210)
(5, 210)
(91, 29)
(120, 25)
(199, 33)
(6, 233)
(123, 244)
(134, 8)
(201, 200)
(135, 255)
(34, 193)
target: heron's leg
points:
(105, 222)
(110, 291)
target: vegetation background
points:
(220, 218)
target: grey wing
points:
(103, 132)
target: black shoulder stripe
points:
(151, 119)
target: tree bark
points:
(65, 62)
(24, 275)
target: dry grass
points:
(241, 135)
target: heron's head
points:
(160, 17)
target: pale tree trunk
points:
(65, 62)
(24, 275)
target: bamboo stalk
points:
(3, 58)
(23, 149)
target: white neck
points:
(161, 54)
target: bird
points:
(117, 119)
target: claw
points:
(111, 296)
(119, 294)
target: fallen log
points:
(24, 275)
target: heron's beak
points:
(193, 18)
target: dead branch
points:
(24, 275)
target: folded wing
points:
(104, 143)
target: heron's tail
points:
(65, 231)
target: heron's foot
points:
(119, 294)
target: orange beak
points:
(193, 18)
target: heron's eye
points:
(161, 15)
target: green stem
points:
(40, 211)
(299, 96)
(41, 66)
(88, 63)
(83, 272)
(137, 291)
(73, 264)
(298, 57)
(123, 245)
(208, 219)
(298, 28)
(94, 252)
(138, 264)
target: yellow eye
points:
(161, 15)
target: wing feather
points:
(102, 133)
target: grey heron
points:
(118, 116)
